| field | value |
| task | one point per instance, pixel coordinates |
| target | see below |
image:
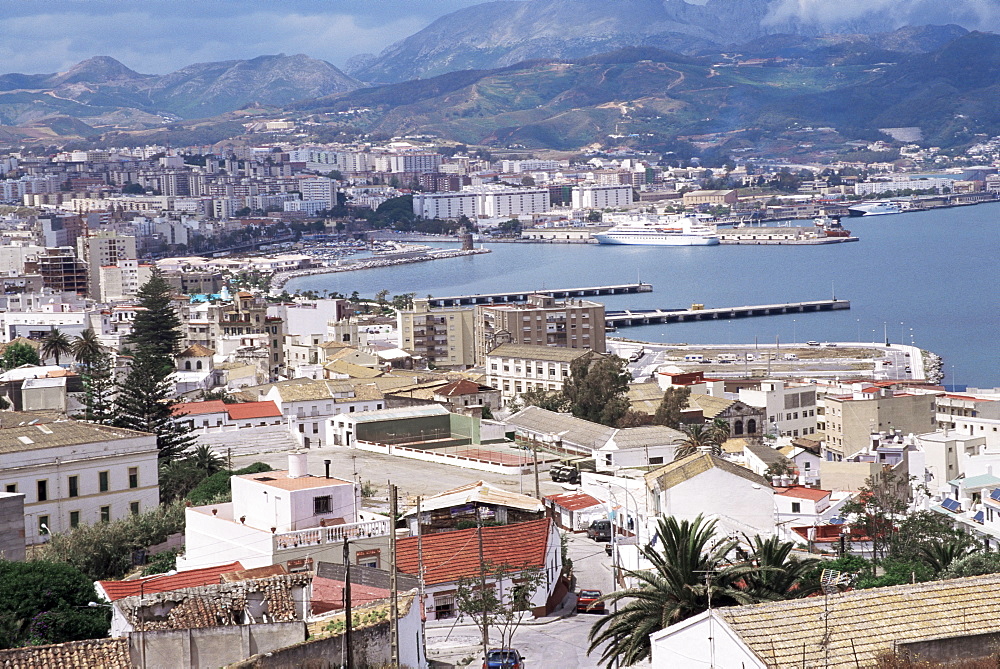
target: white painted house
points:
(276, 516)
(741, 501)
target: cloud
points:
(829, 14)
(149, 40)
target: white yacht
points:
(658, 230)
(873, 209)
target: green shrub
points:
(215, 488)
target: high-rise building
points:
(102, 249)
(444, 337)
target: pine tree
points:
(99, 389)
(145, 403)
(156, 329)
(145, 398)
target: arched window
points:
(738, 428)
(199, 364)
(187, 364)
(751, 426)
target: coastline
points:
(281, 278)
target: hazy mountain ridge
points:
(496, 34)
(950, 93)
(102, 86)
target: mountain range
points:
(497, 34)
(101, 91)
(856, 84)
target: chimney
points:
(326, 465)
(297, 466)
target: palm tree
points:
(777, 574)
(698, 437)
(204, 459)
(720, 430)
(86, 347)
(55, 344)
(675, 589)
(940, 554)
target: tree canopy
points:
(46, 602)
(19, 353)
(597, 387)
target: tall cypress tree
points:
(145, 398)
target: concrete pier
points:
(522, 296)
(649, 316)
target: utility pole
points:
(349, 650)
(394, 597)
(420, 583)
(482, 585)
(534, 451)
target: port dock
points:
(618, 319)
(522, 296)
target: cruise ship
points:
(873, 209)
(657, 230)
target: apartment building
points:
(850, 420)
(541, 321)
(73, 472)
(601, 197)
(103, 249)
(790, 408)
(518, 368)
(443, 337)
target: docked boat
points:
(873, 209)
(658, 230)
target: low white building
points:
(707, 485)
(311, 405)
(74, 473)
(276, 516)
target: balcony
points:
(335, 534)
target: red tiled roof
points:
(198, 408)
(449, 556)
(116, 590)
(328, 595)
(802, 492)
(460, 387)
(574, 501)
(245, 410)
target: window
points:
(796, 507)
(74, 518)
(133, 508)
(74, 486)
(103, 484)
(11, 487)
(43, 524)
(656, 461)
(368, 558)
(133, 477)
(43, 491)
(105, 514)
(321, 505)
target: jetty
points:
(522, 295)
(617, 319)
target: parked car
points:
(503, 658)
(599, 530)
(812, 343)
(587, 601)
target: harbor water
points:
(931, 277)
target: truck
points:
(694, 358)
(791, 356)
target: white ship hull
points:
(655, 239)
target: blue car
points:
(503, 658)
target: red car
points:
(587, 602)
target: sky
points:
(160, 36)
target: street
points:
(547, 642)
